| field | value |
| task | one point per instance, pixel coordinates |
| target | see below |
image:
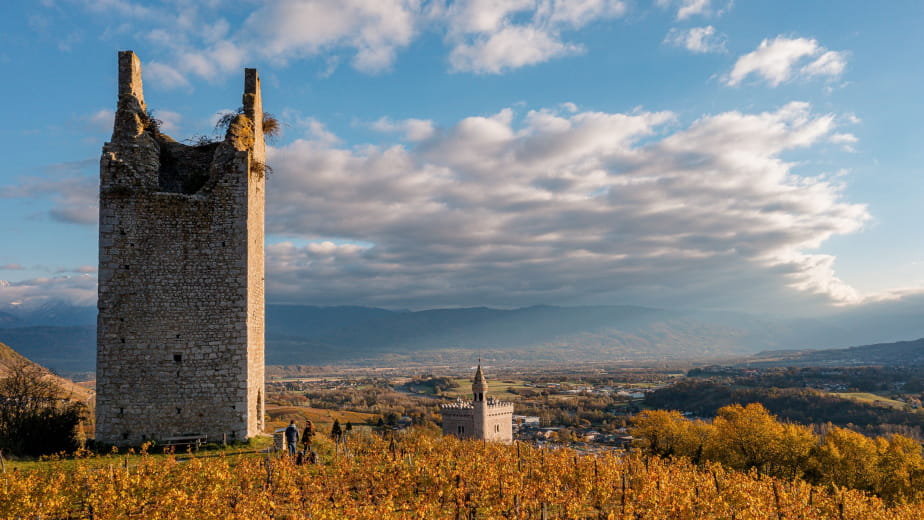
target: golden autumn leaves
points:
(426, 477)
(748, 437)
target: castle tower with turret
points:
(181, 290)
(481, 418)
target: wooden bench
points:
(191, 439)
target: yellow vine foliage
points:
(421, 476)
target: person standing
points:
(292, 438)
(307, 435)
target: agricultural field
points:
(279, 416)
(869, 398)
(424, 476)
(499, 389)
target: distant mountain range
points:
(63, 337)
(904, 353)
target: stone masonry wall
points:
(498, 422)
(181, 300)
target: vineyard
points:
(423, 476)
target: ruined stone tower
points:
(181, 312)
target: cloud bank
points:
(482, 36)
(560, 206)
(556, 205)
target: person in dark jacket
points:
(292, 438)
(307, 435)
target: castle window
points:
(178, 410)
(461, 429)
(496, 428)
(178, 358)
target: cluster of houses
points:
(529, 429)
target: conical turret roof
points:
(479, 375)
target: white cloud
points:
(483, 36)
(83, 269)
(101, 120)
(846, 141)
(78, 289)
(775, 61)
(831, 63)
(72, 187)
(690, 8)
(491, 37)
(165, 75)
(564, 207)
(169, 120)
(318, 132)
(373, 29)
(697, 39)
(578, 13)
(510, 48)
(843, 138)
(412, 129)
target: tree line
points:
(802, 405)
(749, 438)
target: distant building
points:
(526, 421)
(482, 418)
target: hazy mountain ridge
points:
(62, 349)
(903, 353)
(63, 337)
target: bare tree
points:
(35, 419)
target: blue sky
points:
(757, 155)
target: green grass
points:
(496, 389)
(129, 456)
(868, 398)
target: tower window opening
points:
(178, 358)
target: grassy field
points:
(321, 417)
(868, 398)
(496, 388)
(128, 457)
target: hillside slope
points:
(71, 390)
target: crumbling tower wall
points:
(181, 277)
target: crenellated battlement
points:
(481, 418)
